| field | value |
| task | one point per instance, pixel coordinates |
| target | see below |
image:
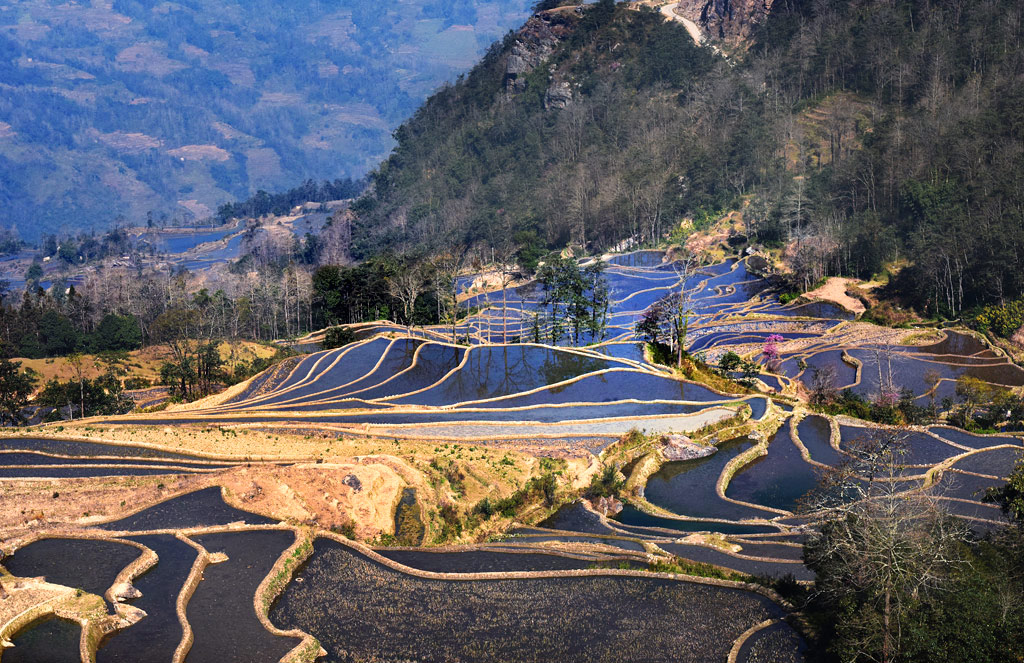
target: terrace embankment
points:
(322, 481)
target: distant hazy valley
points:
(168, 109)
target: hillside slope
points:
(125, 107)
(862, 134)
(577, 129)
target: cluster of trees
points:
(981, 406)
(665, 323)
(893, 408)
(115, 308)
(541, 488)
(372, 290)
(424, 290)
(875, 133)
(353, 294)
(978, 406)
(576, 301)
(16, 386)
(194, 369)
(900, 579)
(1002, 320)
(732, 365)
(9, 242)
(262, 203)
(78, 397)
(57, 324)
(84, 397)
(86, 247)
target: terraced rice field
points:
(228, 584)
(360, 604)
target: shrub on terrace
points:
(337, 337)
(1001, 320)
(605, 483)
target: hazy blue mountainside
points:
(132, 106)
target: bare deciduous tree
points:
(406, 286)
(678, 307)
(880, 547)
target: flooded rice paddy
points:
(688, 488)
(400, 383)
(742, 509)
(777, 480)
(86, 564)
(155, 638)
(202, 508)
(777, 643)
(221, 611)
(47, 640)
(482, 561)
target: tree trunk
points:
(887, 652)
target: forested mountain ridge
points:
(550, 134)
(875, 133)
(127, 107)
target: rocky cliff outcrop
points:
(679, 447)
(606, 506)
(535, 42)
(731, 21)
(559, 95)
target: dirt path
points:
(669, 12)
(834, 290)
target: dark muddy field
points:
(361, 610)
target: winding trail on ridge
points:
(669, 12)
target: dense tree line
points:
(875, 133)
(117, 308)
(262, 203)
(121, 309)
(84, 397)
(406, 291)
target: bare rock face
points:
(559, 95)
(255, 490)
(679, 447)
(125, 592)
(731, 21)
(758, 263)
(534, 43)
(606, 506)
